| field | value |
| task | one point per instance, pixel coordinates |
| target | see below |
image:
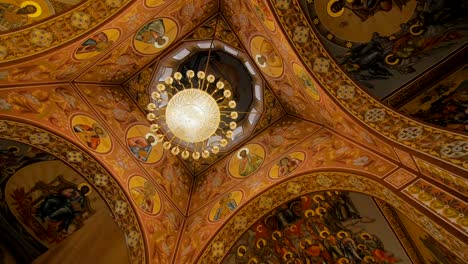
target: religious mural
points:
(324, 227)
(97, 43)
(46, 200)
(155, 36)
(15, 14)
(91, 133)
(266, 56)
(431, 250)
(247, 160)
(444, 104)
(286, 165)
(384, 44)
(143, 145)
(144, 194)
(225, 205)
(307, 81)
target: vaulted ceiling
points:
(329, 74)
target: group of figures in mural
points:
(391, 38)
(318, 228)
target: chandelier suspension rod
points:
(209, 51)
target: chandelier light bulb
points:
(166, 145)
(232, 104)
(223, 142)
(201, 75)
(161, 87)
(154, 127)
(151, 116)
(232, 125)
(229, 134)
(210, 78)
(190, 74)
(178, 76)
(169, 80)
(185, 154)
(175, 151)
(227, 93)
(159, 138)
(234, 115)
(196, 155)
(220, 85)
(155, 95)
(151, 107)
(205, 154)
(215, 149)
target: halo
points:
(344, 233)
(322, 233)
(253, 260)
(36, 5)
(318, 196)
(309, 213)
(276, 232)
(154, 136)
(362, 236)
(258, 242)
(413, 30)
(85, 184)
(156, 45)
(96, 125)
(240, 150)
(286, 255)
(238, 249)
(263, 65)
(330, 12)
(388, 59)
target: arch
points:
(101, 180)
(312, 182)
(393, 126)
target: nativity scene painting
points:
(323, 228)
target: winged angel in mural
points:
(365, 9)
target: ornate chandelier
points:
(190, 110)
(195, 113)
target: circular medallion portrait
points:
(225, 205)
(266, 56)
(96, 44)
(144, 195)
(286, 165)
(246, 161)
(307, 81)
(155, 36)
(143, 145)
(90, 133)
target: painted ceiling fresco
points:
(325, 172)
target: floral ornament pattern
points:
(455, 150)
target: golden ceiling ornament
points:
(193, 110)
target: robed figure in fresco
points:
(153, 33)
(227, 204)
(12, 16)
(91, 135)
(64, 207)
(141, 147)
(249, 162)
